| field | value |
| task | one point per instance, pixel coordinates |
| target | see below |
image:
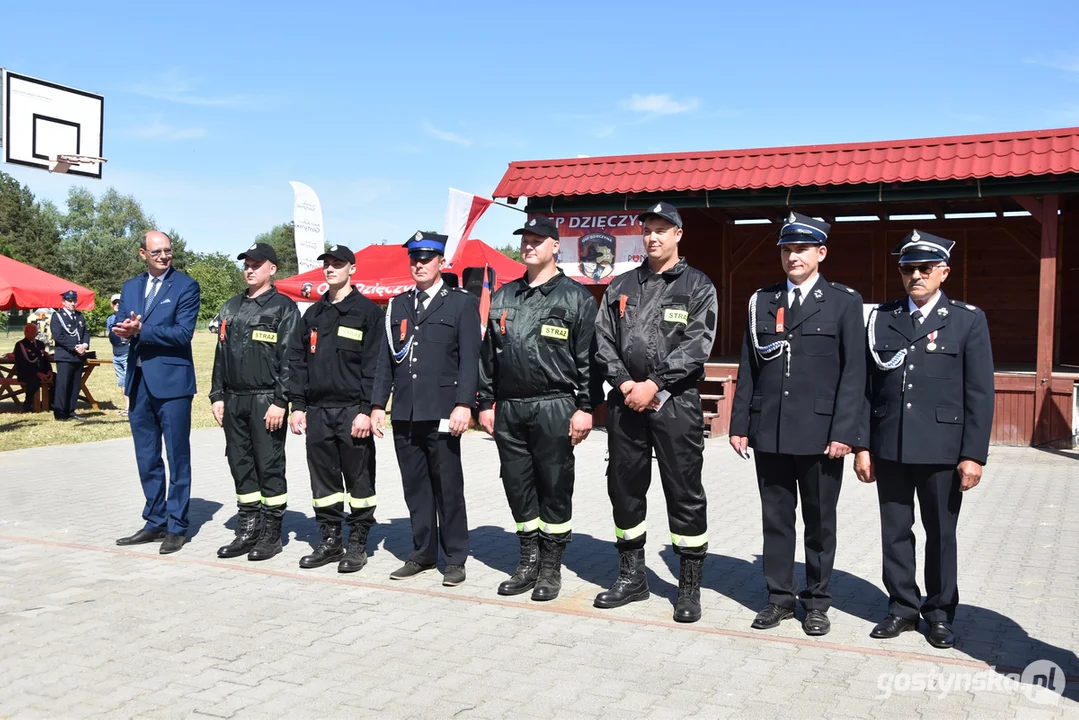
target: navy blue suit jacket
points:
(164, 343)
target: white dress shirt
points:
(805, 287)
(925, 309)
(431, 292)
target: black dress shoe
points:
(141, 537)
(172, 543)
(816, 622)
(410, 569)
(892, 626)
(771, 616)
(941, 635)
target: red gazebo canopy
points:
(382, 271)
(26, 287)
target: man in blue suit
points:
(159, 310)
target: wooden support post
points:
(1046, 314)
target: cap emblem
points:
(418, 236)
(253, 247)
(532, 222)
(333, 248)
(915, 237)
(658, 208)
(791, 218)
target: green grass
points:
(19, 430)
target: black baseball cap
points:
(542, 226)
(259, 251)
(340, 252)
(662, 210)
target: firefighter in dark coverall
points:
(536, 398)
(654, 332)
(334, 357)
(249, 392)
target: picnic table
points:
(12, 389)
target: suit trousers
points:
(536, 456)
(676, 433)
(256, 456)
(31, 386)
(939, 498)
(68, 384)
(151, 420)
(342, 468)
(433, 482)
(780, 479)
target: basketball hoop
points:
(63, 163)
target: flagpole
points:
(511, 207)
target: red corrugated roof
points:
(1038, 152)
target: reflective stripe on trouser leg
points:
(512, 421)
(276, 500)
(559, 532)
(240, 451)
(678, 439)
(324, 468)
(628, 473)
(365, 502)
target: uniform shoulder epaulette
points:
(460, 290)
(965, 306)
(772, 288)
(889, 305)
(844, 288)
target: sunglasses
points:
(926, 269)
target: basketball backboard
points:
(42, 121)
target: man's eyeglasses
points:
(167, 252)
(926, 269)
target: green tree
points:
(513, 252)
(283, 239)
(28, 229)
(219, 278)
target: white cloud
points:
(157, 130)
(653, 105)
(1067, 63)
(445, 135)
(176, 88)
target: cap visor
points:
(423, 254)
(920, 256)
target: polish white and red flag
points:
(462, 211)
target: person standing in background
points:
(119, 351)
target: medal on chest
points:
(932, 344)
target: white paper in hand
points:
(444, 425)
(662, 396)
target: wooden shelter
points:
(1010, 201)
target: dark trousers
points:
(342, 468)
(434, 488)
(256, 456)
(676, 433)
(31, 385)
(939, 498)
(781, 478)
(68, 384)
(536, 455)
(151, 420)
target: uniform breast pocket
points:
(554, 329)
(350, 339)
(943, 362)
(440, 330)
(887, 348)
(820, 338)
(624, 312)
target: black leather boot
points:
(328, 551)
(631, 585)
(356, 557)
(269, 543)
(527, 572)
(248, 527)
(550, 573)
(688, 608)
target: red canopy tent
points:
(382, 271)
(26, 287)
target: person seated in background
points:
(32, 365)
(119, 351)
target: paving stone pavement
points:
(90, 629)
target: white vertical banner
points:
(307, 222)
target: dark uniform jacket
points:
(30, 359)
(822, 400)
(334, 354)
(539, 343)
(252, 346)
(936, 407)
(68, 331)
(439, 369)
(657, 326)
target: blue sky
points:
(212, 108)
